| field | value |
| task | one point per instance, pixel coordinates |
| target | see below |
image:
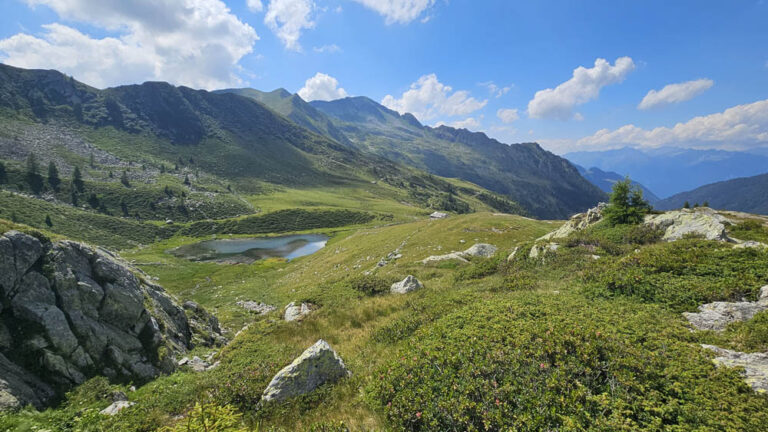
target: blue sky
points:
(503, 67)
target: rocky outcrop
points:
(294, 312)
(749, 244)
(539, 250)
(69, 312)
(481, 250)
(405, 286)
(754, 366)
(701, 222)
(316, 366)
(577, 222)
(716, 316)
(256, 307)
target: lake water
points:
(248, 250)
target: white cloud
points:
(255, 5)
(288, 18)
(398, 11)
(330, 49)
(197, 43)
(467, 123)
(428, 98)
(737, 128)
(322, 87)
(508, 115)
(495, 90)
(585, 85)
(675, 93)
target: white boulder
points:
(407, 285)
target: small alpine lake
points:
(249, 250)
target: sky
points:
(571, 75)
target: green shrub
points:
(478, 269)
(746, 336)
(557, 363)
(682, 275)
(750, 230)
(626, 205)
(368, 285)
(209, 417)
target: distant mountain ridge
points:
(606, 179)
(545, 184)
(749, 194)
(668, 171)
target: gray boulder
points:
(294, 312)
(70, 312)
(539, 250)
(482, 250)
(405, 286)
(577, 222)
(256, 307)
(716, 316)
(316, 366)
(116, 407)
(703, 222)
(754, 366)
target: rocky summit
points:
(69, 312)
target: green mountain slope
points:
(546, 185)
(749, 194)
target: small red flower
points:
(418, 414)
(543, 366)
(498, 402)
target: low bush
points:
(560, 363)
(682, 275)
(369, 285)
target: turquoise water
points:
(246, 250)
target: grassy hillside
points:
(544, 184)
(563, 343)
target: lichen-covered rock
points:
(577, 222)
(405, 286)
(256, 307)
(316, 366)
(539, 250)
(116, 407)
(754, 366)
(70, 312)
(716, 316)
(702, 222)
(482, 250)
(294, 312)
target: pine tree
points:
(627, 205)
(186, 180)
(75, 200)
(124, 207)
(77, 180)
(687, 205)
(92, 161)
(706, 204)
(34, 178)
(48, 221)
(93, 201)
(3, 174)
(124, 179)
(53, 176)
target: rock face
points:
(316, 366)
(482, 250)
(69, 312)
(539, 250)
(295, 312)
(577, 222)
(405, 286)
(703, 222)
(755, 366)
(716, 316)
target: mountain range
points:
(669, 171)
(749, 194)
(546, 185)
(606, 179)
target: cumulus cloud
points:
(288, 19)
(508, 115)
(322, 87)
(495, 90)
(197, 43)
(398, 11)
(585, 85)
(738, 128)
(428, 98)
(255, 5)
(675, 93)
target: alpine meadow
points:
(403, 215)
